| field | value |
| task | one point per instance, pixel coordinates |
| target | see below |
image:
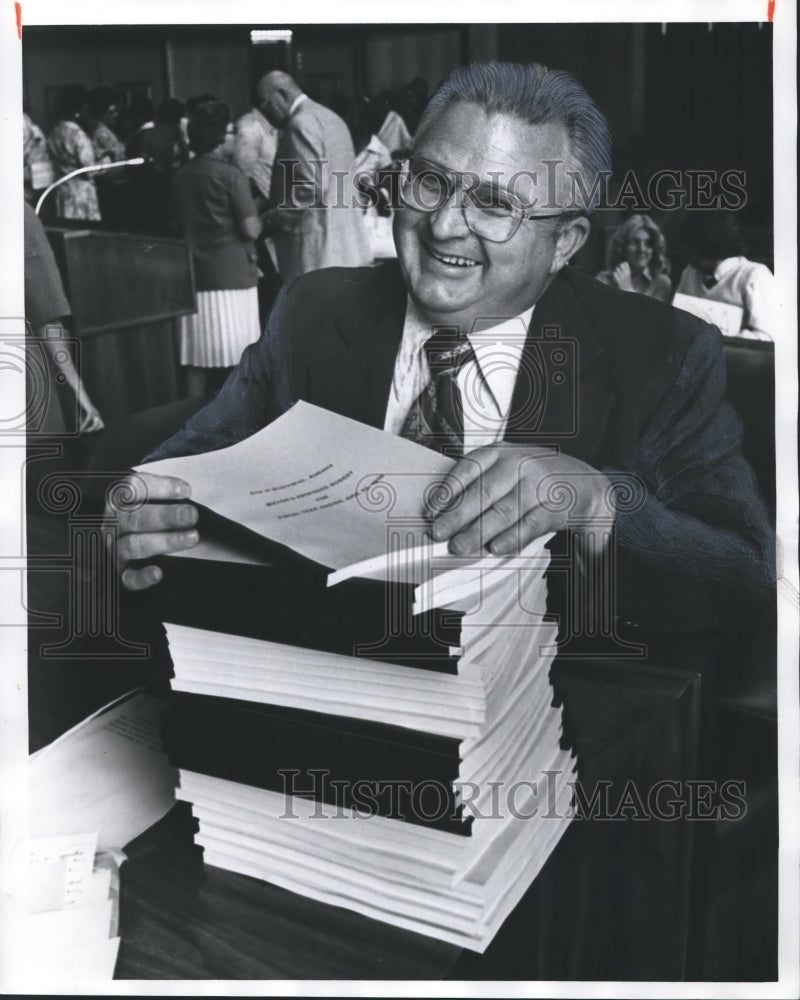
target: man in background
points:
(310, 223)
(255, 146)
(718, 271)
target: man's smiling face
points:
(455, 276)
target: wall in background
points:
(393, 60)
(56, 57)
(214, 62)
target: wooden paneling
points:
(126, 292)
(117, 280)
(210, 62)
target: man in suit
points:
(615, 398)
(310, 225)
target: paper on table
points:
(67, 967)
(69, 925)
(60, 871)
(330, 488)
(725, 315)
(65, 928)
(108, 774)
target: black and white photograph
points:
(399, 537)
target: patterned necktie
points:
(436, 419)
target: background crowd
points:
(246, 193)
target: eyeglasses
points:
(489, 211)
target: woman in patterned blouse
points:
(71, 148)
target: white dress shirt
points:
(486, 385)
(254, 148)
(300, 99)
(741, 282)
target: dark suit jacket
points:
(623, 382)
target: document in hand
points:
(325, 486)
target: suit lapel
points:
(561, 396)
(355, 377)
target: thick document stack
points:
(416, 776)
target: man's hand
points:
(503, 496)
(622, 277)
(148, 526)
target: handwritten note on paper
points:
(60, 871)
(325, 486)
(69, 935)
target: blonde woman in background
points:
(637, 259)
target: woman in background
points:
(58, 394)
(37, 167)
(100, 124)
(71, 148)
(214, 211)
(637, 259)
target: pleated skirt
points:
(226, 321)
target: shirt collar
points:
(497, 348)
(300, 99)
(726, 266)
(376, 146)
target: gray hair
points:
(535, 95)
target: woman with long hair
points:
(637, 259)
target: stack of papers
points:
(450, 864)
(417, 779)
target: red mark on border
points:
(770, 10)
(18, 9)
